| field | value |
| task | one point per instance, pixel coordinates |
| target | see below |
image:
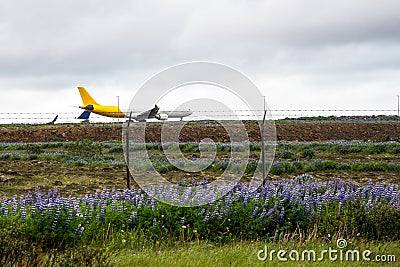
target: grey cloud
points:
(46, 42)
(294, 23)
(297, 35)
(77, 37)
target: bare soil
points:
(384, 131)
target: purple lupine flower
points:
(55, 220)
(271, 210)
(281, 215)
(14, 205)
(79, 231)
(23, 213)
(133, 217)
(262, 214)
(69, 218)
(201, 212)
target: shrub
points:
(18, 249)
(33, 149)
(307, 153)
(380, 222)
(116, 149)
(15, 248)
(85, 148)
(297, 205)
(287, 155)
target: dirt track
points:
(286, 132)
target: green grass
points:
(132, 248)
(135, 248)
(245, 254)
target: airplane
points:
(91, 106)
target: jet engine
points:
(162, 117)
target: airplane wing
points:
(153, 112)
(148, 114)
(53, 121)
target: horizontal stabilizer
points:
(85, 115)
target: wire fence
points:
(275, 114)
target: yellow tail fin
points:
(86, 97)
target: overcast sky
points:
(342, 54)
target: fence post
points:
(128, 175)
(263, 147)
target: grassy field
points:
(66, 204)
(247, 254)
(77, 167)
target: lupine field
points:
(66, 204)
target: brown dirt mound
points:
(193, 133)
